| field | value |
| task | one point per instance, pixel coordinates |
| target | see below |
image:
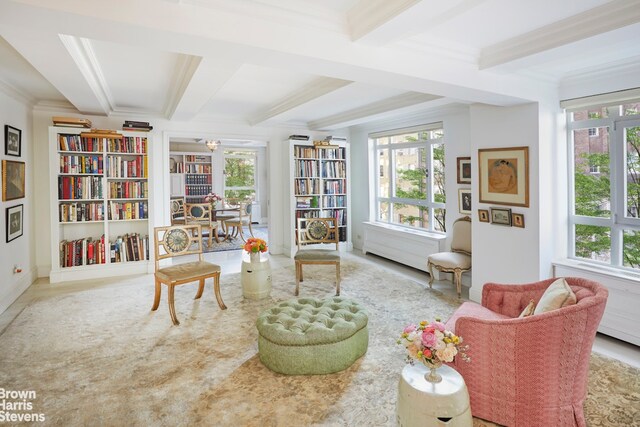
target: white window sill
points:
(598, 269)
(409, 231)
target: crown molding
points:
(379, 107)
(83, 55)
(601, 19)
(185, 69)
(367, 15)
(56, 107)
(317, 88)
(435, 113)
(17, 94)
(442, 49)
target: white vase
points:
(254, 256)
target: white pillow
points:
(557, 295)
(528, 310)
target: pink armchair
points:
(528, 371)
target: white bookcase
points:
(191, 175)
(100, 204)
(319, 177)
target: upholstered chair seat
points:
(318, 254)
(451, 260)
(180, 272)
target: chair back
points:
(177, 240)
(177, 209)
(317, 231)
(461, 235)
(197, 213)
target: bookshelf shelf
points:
(191, 175)
(99, 230)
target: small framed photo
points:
(464, 200)
(517, 220)
(14, 222)
(483, 215)
(501, 216)
(464, 170)
(12, 180)
(12, 141)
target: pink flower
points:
(409, 329)
(427, 353)
(413, 350)
(429, 337)
(438, 325)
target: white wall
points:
(19, 251)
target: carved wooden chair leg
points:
(337, 279)
(172, 308)
(430, 268)
(215, 234)
(458, 274)
(241, 233)
(216, 289)
(251, 229)
(298, 277)
(156, 298)
(200, 289)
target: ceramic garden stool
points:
(255, 278)
(308, 336)
(421, 403)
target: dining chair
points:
(200, 214)
(235, 225)
(177, 210)
(322, 235)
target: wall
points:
(19, 251)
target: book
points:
(136, 127)
(71, 122)
(136, 123)
(299, 137)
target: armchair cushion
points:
(451, 260)
(471, 309)
(557, 295)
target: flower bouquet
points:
(212, 198)
(254, 247)
(432, 345)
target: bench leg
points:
(200, 289)
(172, 308)
(216, 289)
(156, 298)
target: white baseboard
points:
(14, 293)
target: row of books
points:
(130, 247)
(306, 186)
(89, 251)
(334, 170)
(128, 190)
(128, 144)
(80, 212)
(79, 187)
(117, 167)
(77, 143)
(335, 187)
(197, 158)
(334, 153)
(334, 201)
(198, 169)
(135, 125)
(128, 210)
(81, 164)
(339, 214)
(198, 180)
(306, 202)
(304, 152)
(306, 168)
(197, 191)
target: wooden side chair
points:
(458, 260)
(177, 210)
(319, 232)
(176, 241)
(200, 214)
(235, 225)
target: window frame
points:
(249, 153)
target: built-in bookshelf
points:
(191, 175)
(319, 180)
(100, 199)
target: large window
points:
(410, 177)
(240, 174)
(605, 185)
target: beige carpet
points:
(100, 357)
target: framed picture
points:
(504, 176)
(483, 215)
(464, 170)
(464, 200)
(12, 180)
(14, 222)
(12, 141)
(501, 216)
(517, 220)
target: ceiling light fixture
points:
(212, 144)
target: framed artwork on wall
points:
(501, 216)
(464, 200)
(483, 215)
(517, 220)
(464, 170)
(15, 223)
(12, 141)
(12, 180)
(504, 176)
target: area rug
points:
(236, 243)
(100, 357)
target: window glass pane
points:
(411, 215)
(411, 173)
(239, 172)
(382, 141)
(632, 142)
(383, 209)
(592, 180)
(383, 178)
(439, 195)
(593, 242)
(240, 194)
(593, 113)
(407, 137)
(631, 249)
(631, 109)
(439, 220)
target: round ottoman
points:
(312, 336)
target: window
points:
(240, 174)
(605, 185)
(409, 187)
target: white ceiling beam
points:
(319, 87)
(610, 16)
(358, 115)
(369, 16)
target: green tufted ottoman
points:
(312, 336)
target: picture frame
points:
(15, 222)
(12, 141)
(464, 170)
(13, 180)
(464, 200)
(517, 220)
(483, 215)
(501, 216)
(504, 176)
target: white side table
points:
(421, 403)
(256, 278)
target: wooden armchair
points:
(200, 214)
(177, 210)
(175, 241)
(235, 225)
(318, 232)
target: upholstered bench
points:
(312, 336)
